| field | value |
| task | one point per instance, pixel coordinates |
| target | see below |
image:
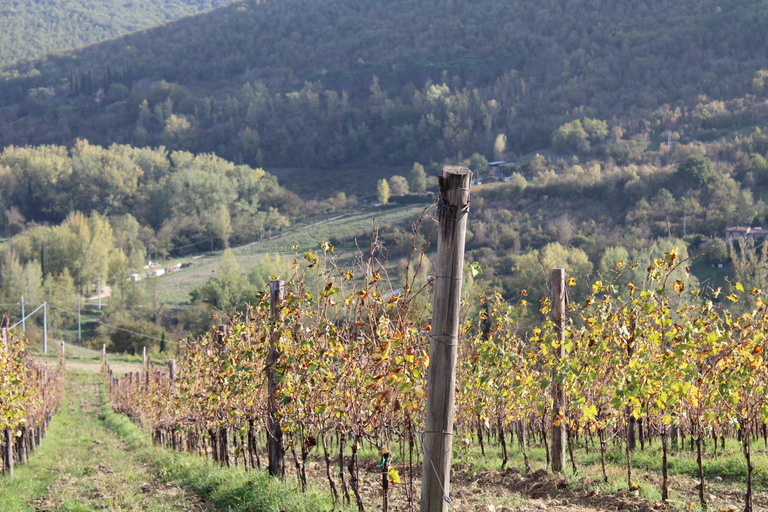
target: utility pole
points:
(452, 209)
(23, 316)
(98, 288)
(45, 327)
(79, 337)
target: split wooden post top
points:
(452, 211)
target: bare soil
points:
(513, 491)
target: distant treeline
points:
(340, 82)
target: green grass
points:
(355, 224)
(306, 184)
(232, 489)
(710, 277)
(93, 458)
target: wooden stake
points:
(274, 431)
(171, 373)
(9, 451)
(559, 440)
(452, 209)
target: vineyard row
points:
(30, 394)
(340, 357)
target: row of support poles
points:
(24, 317)
(44, 305)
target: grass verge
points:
(95, 459)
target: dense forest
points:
(328, 84)
(31, 28)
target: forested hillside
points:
(31, 28)
(312, 84)
(630, 130)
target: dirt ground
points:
(119, 369)
(512, 491)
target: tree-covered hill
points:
(31, 28)
(302, 83)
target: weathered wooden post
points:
(8, 461)
(171, 373)
(558, 298)
(452, 209)
(61, 354)
(9, 451)
(274, 431)
(222, 332)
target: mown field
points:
(345, 226)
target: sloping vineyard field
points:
(650, 364)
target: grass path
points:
(84, 465)
(95, 459)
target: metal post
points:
(98, 288)
(23, 316)
(45, 327)
(79, 337)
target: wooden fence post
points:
(274, 431)
(452, 209)
(9, 451)
(171, 373)
(558, 298)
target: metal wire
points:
(116, 327)
(431, 462)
